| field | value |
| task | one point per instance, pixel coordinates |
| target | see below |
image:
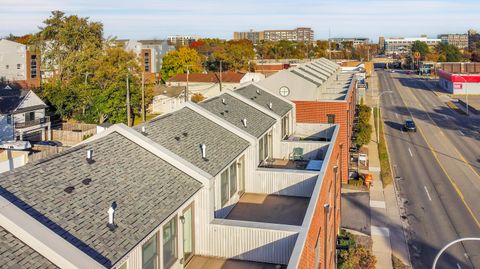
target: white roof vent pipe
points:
(258, 91)
(111, 216)
(90, 156)
(270, 105)
(244, 121)
(223, 101)
(204, 151)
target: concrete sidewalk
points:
(386, 227)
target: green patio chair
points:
(297, 154)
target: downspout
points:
(326, 209)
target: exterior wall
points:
(252, 77)
(282, 182)
(316, 112)
(163, 104)
(207, 89)
(12, 60)
(10, 160)
(32, 81)
(6, 130)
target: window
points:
(30, 116)
(170, 243)
(123, 266)
(33, 66)
(7, 66)
(233, 178)
(147, 62)
(149, 254)
(331, 118)
(9, 119)
(285, 127)
(224, 187)
(19, 66)
(261, 150)
(264, 147)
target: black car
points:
(409, 126)
(49, 143)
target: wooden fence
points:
(71, 134)
(40, 152)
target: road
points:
(436, 169)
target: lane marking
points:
(458, 266)
(461, 133)
(410, 152)
(377, 204)
(396, 116)
(454, 185)
(428, 194)
(381, 231)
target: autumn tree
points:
(448, 53)
(420, 47)
(178, 61)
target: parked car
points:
(410, 126)
(49, 143)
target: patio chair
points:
(297, 154)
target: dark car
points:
(49, 143)
(409, 126)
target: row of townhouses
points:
(231, 182)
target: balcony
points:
(30, 123)
(203, 262)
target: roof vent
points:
(69, 189)
(204, 151)
(270, 105)
(244, 121)
(258, 91)
(177, 138)
(90, 156)
(87, 181)
(144, 130)
(111, 217)
(223, 101)
(185, 134)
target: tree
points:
(448, 53)
(357, 257)
(421, 47)
(197, 98)
(178, 61)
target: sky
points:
(144, 19)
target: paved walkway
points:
(386, 227)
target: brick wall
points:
(32, 82)
(316, 232)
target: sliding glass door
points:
(188, 234)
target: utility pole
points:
(186, 88)
(221, 75)
(128, 102)
(329, 46)
(143, 97)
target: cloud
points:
(217, 18)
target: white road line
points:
(396, 115)
(458, 266)
(428, 194)
(380, 231)
(377, 204)
(410, 152)
(461, 133)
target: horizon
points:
(148, 19)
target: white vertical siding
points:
(311, 150)
(282, 182)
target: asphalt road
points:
(436, 170)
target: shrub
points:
(197, 98)
(357, 257)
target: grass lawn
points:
(386, 173)
(138, 119)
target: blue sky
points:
(219, 18)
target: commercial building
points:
(402, 45)
(458, 40)
(18, 63)
(460, 83)
(150, 53)
(301, 34)
(322, 93)
(356, 41)
(473, 38)
(182, 40)
(232, 180)
(381, 44)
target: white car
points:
(15, 145)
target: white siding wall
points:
(282, 182)
(20, 117)
(311, 150)
(6, 130)
(13, 162)
(11, 55)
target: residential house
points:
(212, 184)
(19, 63)
(322, 93)
(22, 115)
(167, 99)
(212, 84)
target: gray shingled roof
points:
(10, 98)
(183, 131)
(14, 254)
(234, 111)
(146, 189)
(263, 98)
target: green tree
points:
(448, 53)
(421, 47)
(177, 62)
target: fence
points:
(71, 134)
(40, 152)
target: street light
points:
(450, 244)
(378, 114)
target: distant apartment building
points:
(356, 41)
(182, 40)
(150, 53)
(402, 45)
(458, 40)
(301, 34)
(19, 64)
(381, 44)
(473, 38)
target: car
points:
(49, 143)
(410, 126)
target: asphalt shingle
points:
(234, 111)
(146, 189)
(263, 98)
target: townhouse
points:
(22, 115)
(233, 181)
(19, 63)
(322, 93)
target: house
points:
(209, 184)
(212, 84)
(322, 93)
(19, 63)
(167, 99)
(22, 115)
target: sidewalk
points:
(386, 227)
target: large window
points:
(233, 178)
(285, 127)
(224, 187)
(228, 183)
(149, 254)
(264, 147)
(170, 243)
(147, 62)
(33, 66)
(29, 116)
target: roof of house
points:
(264, 98)
(172, 91)
(16, 254)
(235, 111)
(183, 131)
(145, 188)
(10, 97)
(227, 77)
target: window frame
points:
(331, 118)
(167, 264)
(233, 180)
(156, 263)
(224, 187)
